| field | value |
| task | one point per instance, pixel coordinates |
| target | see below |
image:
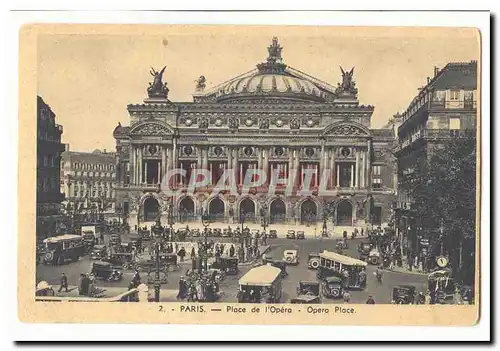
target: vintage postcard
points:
(249, 174)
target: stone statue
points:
(348, 86)
(200, 84)
(157, 88)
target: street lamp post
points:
(263, 215)
(205, 221)
(171, 220)
(242, 221)
(160, 276)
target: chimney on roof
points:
(436, 71)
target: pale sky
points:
(89, 79)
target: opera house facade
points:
(275, 119)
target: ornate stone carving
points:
(233, 123)
(157, 89)
(203, 123)
(264, 123)
(133, 203)
(151, 129)
(295, 123)
(347, 130)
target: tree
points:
(443, 189)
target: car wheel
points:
(314, 264)
(335, 292)
(125, 266)
(373, 260)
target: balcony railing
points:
(447, 133)
(468, 104)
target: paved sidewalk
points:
(310, 231)
(406, 271)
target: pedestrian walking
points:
(80, 284)
(370, 300)
(64, 283)
(182, 253)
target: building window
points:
(454, 123)
(376, 177)
(455, 95)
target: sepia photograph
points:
(236, 169)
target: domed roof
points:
(262, 82)
(272, 79)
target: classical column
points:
(159, 172)
(199, 164)
(229, 158)
(334, 169)
(206, 158)
(235, 165)
(356, 178)
(322, 160)
(369, 165)
(145, 175)
(241, 174)
(363, 168)
(141, 172)
(337, 175)
(163, 164)
(352, 175)
(266, 164)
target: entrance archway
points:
(216, 209)
(344, 213)
(277, 211)
(151, 209)
(247, 207)
(308, 212)
(186, 209)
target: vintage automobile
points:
(290, 234)
(115, 239)
(227, 264)
(273, 234)
(98, 252)
(313, 260)
(332, 287)
(301, 235)
(404, 294)
(374, 257)
(226, 233)
(59, 249)
(442, 283)
(291, 256)
(307, 292)
(105, 270)
(261, 285)
(334, 264)
(195, 233)
(123, 260)
(364, 251)
(89, 240)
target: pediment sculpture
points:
(346, 129)
(152, 129)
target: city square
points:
(272, 183)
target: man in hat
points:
(64, 283)
(370, 300)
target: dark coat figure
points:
(370, 301)
(344, 234)
(136, 279)
(85, 285)
(102, 239)
(182, 253)
(193, 252)
(64, 283)
(231, 251)
(182, 289)
(222, 248)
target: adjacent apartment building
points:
(49, 149)
(444, 109)
(88, 179)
